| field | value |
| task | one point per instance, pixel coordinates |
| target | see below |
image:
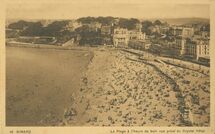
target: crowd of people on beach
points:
(117, 91)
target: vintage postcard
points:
(107, 67)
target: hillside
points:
(182, 21)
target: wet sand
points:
(41, 83)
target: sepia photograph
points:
(107, 65)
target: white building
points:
(136, 35)
(120, 37)
(179, 47)
(198, 49)
(182, 31)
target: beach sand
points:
(116, 91)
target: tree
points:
(34, 29)
(82, 29)
(205, 27)
(105, 20)
(146, 27)
(55, 28)
(157, 22)
(88, 36)
(11, 33)
(20, 25)
(86, 20)
(130, 24)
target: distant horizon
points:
(106, 16)
(74, 11)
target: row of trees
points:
(57, 28)
(88, 36)
(37, 29)
(121, 22)
(103, 20)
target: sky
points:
(76, 10)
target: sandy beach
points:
(117, 91)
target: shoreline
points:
(45, 46)
(116, 91)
